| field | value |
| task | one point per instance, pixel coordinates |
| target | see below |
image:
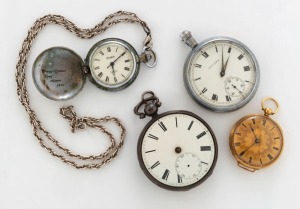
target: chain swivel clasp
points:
(148, 56)
(75, 122)
(151, 103)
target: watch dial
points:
(256, 141)
(112, 64)
(222, 74)
(177, 151)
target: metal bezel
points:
(193, 94)
(132, 77)
(145, 170)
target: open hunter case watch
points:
(111, 64)
(59, 74)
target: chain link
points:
(64, 154)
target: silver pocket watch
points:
(111, 64)
(220, 73)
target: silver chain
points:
(64, 154)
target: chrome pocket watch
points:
(256, 141)
(177, 150)
(220, 73)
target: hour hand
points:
(222, 73)
(110, 65)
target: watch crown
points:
(186, 37)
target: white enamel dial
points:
(178, 150)
(107, 72)
(113, 64)
(222, 74)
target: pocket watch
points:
(220, 73)
(111, 64)
(256, 141)
(177, 150)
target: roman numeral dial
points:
(221, 74)
(113, 64)
(254, 144)
(177, 149)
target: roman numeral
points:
(260, 161)
(126, 68)
(216, 48)
(228, 98)
(264, 122)
(205, 148)
(179, 178)
(153, 137)
(150, 151)
(163, 127)
(200, 135)
(190, 126)
(242, 153)
(100, 74)
(214, 97)
(277, 138)
(205, 54)
(276, 148)
(239, 134)
(253, 121)
(204, 90)
(123, 75)
(127, 60)
(97, 68)
(166, 174)
(229, 50)
(96, 59)
(155, 164)
(107, 79)
(198, 66)
(270, 156)
(246, 68)
(108, 49)
(272, 128)
(176, 122)
(244, 125)
(204, 163)
(101, 52)
(240, 57)
(237, 144)
(115, 79)
(117, 49)
(196, 79)
(250, 159)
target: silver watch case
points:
(136, 64)
(195, 50)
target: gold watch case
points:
(256, 141)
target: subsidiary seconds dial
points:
(221, 73)
(177, 150)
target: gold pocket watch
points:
(256, 141)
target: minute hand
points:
(116, 59)
(222, 73)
